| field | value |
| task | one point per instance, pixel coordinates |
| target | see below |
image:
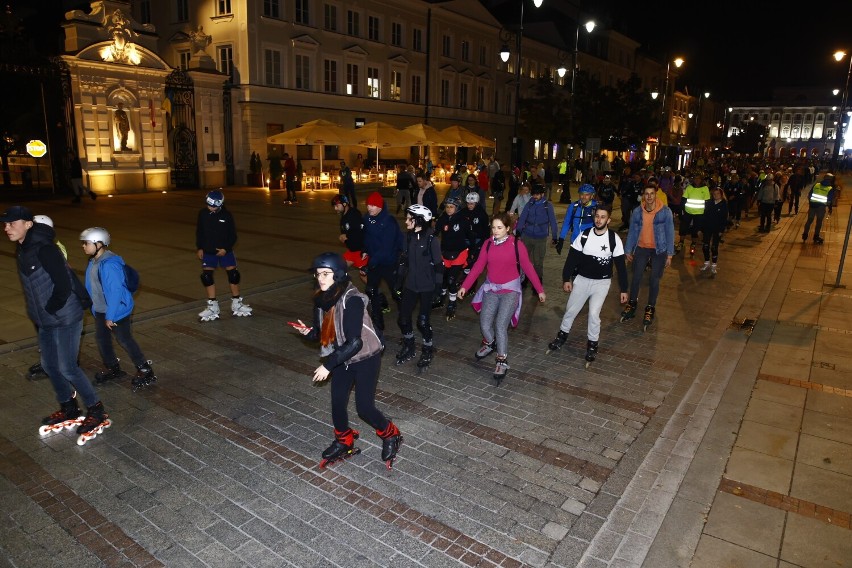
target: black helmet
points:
(339, 199)
(333, 262)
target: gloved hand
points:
(559, 244)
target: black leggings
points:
(406, 308)
(364, 375)
(711, 245)
(658, 263)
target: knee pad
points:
(424, 327)
(233, 276)
(207, 277)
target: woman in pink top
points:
(499, 299)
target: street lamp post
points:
(590, 25)
(504, 55)
(838, 143)
(678, 62)
(697, 135)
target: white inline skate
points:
(239, 309)
(211, 312)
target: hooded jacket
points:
(46, 281)
(383, 239)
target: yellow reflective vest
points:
(694, 198)
(819, 194)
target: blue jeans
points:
(123, 333)
(59, 349)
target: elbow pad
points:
(349, 348)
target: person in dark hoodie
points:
(383, 243)
(57, 313)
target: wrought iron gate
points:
(180, 121)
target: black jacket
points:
(352, 225)
(215, 230)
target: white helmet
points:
(421, 211)
(43, 219)
(95, 235)
(472, 197)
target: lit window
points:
(373, 86)
(395, 85)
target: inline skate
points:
(67, 417)
(556, 344)
(484, 350)
(451, 310)
(649, 317)
(391, 442)
(239, 309)
(95, 422)
(426, 354)
(111, 373)
(629, 311)
(343, 447)
(407, 352)
(500, 369)
(713, 270)
(211, 312)
(591, 352)
(144, 376)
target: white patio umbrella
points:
(382, 135)
(319, 132)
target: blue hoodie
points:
(383, 239)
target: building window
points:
(225, 60)
(417, 39)
(480, 98)
(373, 85)
(465, 50)
(415, 89)
(463, 95)
(272, 67)
(445, 92)
(446, 46)
(145, 12)
(303, 72)
(395, 85)
(352, 79)
(303, 13)
(373, 28)
(330, 17)
(353, 23)
(396, 34)
(329, 76)
(271, 9)
(182, 14)
(183, 59)
(483, 55)
(223, 8)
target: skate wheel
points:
(547, 352)
(389, 465)
(44, 430)
(82, 439)
(323, 463)
(588, 364)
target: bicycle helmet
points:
(472, 197)
(587, 188)
(95, 235)
(215, 198)
(333, 262)
(454, 201)
(420, 212)
(339, 199)
(43, 219)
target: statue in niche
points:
(122, 124)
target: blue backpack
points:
(131, 278)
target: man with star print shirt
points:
(593, 253)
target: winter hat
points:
(376, 200)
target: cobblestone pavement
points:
(562, 466)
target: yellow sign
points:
(36, 148)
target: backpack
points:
(131, 278)
(584, 236)
(517, 258)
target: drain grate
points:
(746, 324)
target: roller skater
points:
(649, 317)
(55, 300)
(211, 312)
(591, 352)
(695, 195)
(95, 422)
(587, 276)
(821, 198)
(215, 237)
(420, 275)
(383, 244)
(715, 220)
(68, 416)
(144, 376)
(408, 351)
(111, 373)
(456, 236)
(629, 311)
(352, 351)
(556, 344)
(342, 448)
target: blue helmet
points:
(215, 198)
(587, 188)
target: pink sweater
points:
(501, 263)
